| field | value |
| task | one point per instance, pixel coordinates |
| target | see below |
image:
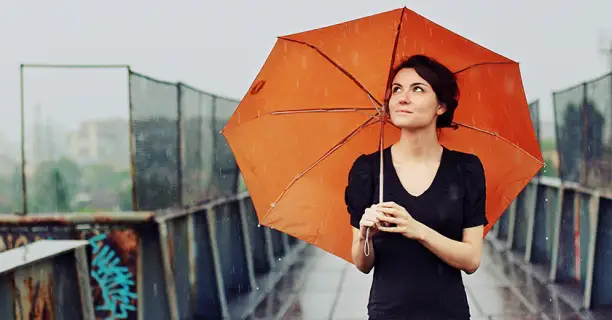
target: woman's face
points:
(413, 103)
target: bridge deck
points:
(325, 287)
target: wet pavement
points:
(322, 286)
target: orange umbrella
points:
(313, 109)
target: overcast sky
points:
(219, 46)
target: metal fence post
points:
(132, 141)
(24, 188)
(212, 232)
(192, 257)
(556, 234)
(248, 248)
(594, 219)
(511, 224)
(270, 247)
(180, 155)
(286, 245)
(80, 256)
(531, 203)
(168, 270)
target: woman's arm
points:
(359, 198)
(362, 262)
(465, 255)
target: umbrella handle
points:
(381, 146)
(366, 247)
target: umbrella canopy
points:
(315, 107)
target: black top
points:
(410, 282)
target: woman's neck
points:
(418, 145)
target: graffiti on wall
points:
(113, 259)
(115, 281)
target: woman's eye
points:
(396, 89)
(418, 89)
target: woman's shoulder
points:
(464, 158)
(468, 163)
(367, 160)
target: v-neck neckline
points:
(389, 160)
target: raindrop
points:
(279, 259)
(256, 288)
(546, 238)
(546, 200)
(258, 225)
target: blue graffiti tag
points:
(115, 281)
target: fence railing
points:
(180, 157)
(105, 138)
(209, 262)
(583, 118)
(565, 232)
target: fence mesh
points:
(77, 142)
(155, 131)
(10, 162)
(583, 115)
(76, 139)
(569, 124)
(534, 111)
(197, 143)
(598, 118)
(180, 158)
(225, 174)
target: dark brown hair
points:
(442, 81)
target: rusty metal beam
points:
(77, 217)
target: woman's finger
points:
(367, 223)
(373, 214)
(391, 211)
(390, 219)
(388, 204)
(395, 229)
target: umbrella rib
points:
(361, 110)
(397, 34)
(369, 122)
(483, 64)
(294, 111)
(336, 65)
(500, 137)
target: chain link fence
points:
(105, 138)
(100, 138)
(546, 135)
(75, 139)
(582, 115)
(534, 111)
(180, 157)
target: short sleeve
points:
(359, 192)
(474, 205)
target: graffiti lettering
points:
(115, 281)
(9, 241)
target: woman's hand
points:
(370, 219)
(403, 223)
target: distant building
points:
(101, 141)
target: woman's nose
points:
(404, 99)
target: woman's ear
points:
(441, 109)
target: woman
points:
(429, 227)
